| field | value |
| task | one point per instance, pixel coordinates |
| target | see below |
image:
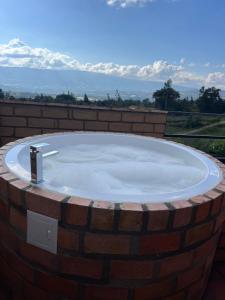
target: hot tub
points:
(136, 218)
(118, 167)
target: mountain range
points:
(20, 80)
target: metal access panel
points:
(42, 231)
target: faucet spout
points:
(36, 161)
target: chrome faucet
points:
(36, 161)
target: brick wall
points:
(108, 251)
(22, 119)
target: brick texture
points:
(105, 251)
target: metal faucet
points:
(36, 161)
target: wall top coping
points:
(32, 103)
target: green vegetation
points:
(167, 98)
(199, 124)
(203, 116)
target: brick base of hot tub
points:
(108, 251)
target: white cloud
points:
(127, 3)
(216, 78)
(18, 54)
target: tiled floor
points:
(216, 286)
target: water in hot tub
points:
(114, 169)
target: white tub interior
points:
(118, 167)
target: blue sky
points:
(147, 39)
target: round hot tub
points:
(116, 216)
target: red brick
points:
(198, 233)
(158, 216)
(216, 205)
(23, 132)
(4, 209)
(220, 221)
(159, 243)
(202, 212)
(202, 207)
(85, 114)
(204, 250)
(109, 116)
(34, 293)
(68, 239)
(57, 285)
(6, 110)
(4, 180)
(153, 134)
(55, 112)
(107, 243)
(41, 123)
(44, 202)
(38, 256)
(221, 187)
(80, 266)
(120, 127)
(133, 117)
(28, 111)
(18, 220)
(10, 277)
(105, 293)
(8, 236)
(3, 169)
(19, 265)
(6, 131)
(71, 124)
(16, 192)
(44, 131)
(179, 296)
(155, 290)
(213, 194)
(76, 211)
(102, 215)
(159, 128)
(156, 118)
(196, 290)
(131, 215)
(220, 255)
(143, 128)
(182, 214)
(188, 277)
(222, 241)
(175, 263)
(131, 269)
(13, 121)
(6, 140)
(95, 126)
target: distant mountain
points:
(79, 82)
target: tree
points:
(65, 98)
(209, 101)
(86, 100)
(118, 97)
(167, 97)
(2, 95)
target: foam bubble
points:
(122, 170)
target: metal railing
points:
(200, 130)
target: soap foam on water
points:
(118, 170)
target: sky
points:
(144, 39)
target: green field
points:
(198, 124)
